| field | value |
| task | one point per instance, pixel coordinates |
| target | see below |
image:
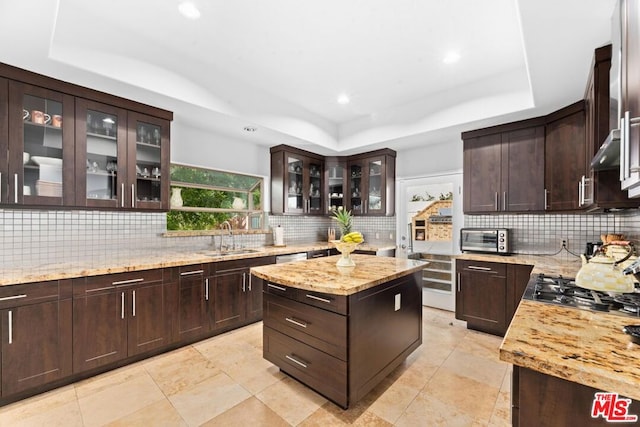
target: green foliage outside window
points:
(210, 197)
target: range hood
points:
(608, 156)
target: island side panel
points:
(385, 326)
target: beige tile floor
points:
(453, 379)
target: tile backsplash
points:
(37, 238)
(543, 234)
(34, 239)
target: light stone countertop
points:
(586, 347)
(152, 260)
(322, 274)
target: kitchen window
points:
(202, 199)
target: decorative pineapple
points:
(344, 219)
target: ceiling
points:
(279, 65)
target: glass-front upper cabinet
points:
(315, 195)
(40, 161)
(148, 162)
(375, 187)
(101, 154)
(303, 184)
(371, 182)
(355, 188)
(294, 181)
(336, 174)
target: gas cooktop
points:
(560, 290)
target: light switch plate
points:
(397, 304)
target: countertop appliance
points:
(487, 240)
(281, 259)
(563, 291)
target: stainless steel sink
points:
(232, 252)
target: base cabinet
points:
(541, 400)
(36, 335)
(191, 294)
(117, 316)
(488, 293)
(342, 346)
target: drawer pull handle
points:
(296, 361)
(473, 267)
(127, 282)
(13, 297)
(296, 322)
(187, 273)
(328, 301)
(280, 288)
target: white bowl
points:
(48, 161)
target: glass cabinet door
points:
(355, 188)
(375, 187)
(294, 182)
(100, 154)
(335, 186)
(41, 146)
(147, 158)
(314, 198)
(4, 140)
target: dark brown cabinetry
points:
(116, 316)
(565, 159)
(306, 183)
(541, 400)
(193, 294)
(70, 146)
(297, 181)
(504, 168)
(602, 189)
(488, 293)
(371, 183)
(236, 297)
(333, 343)
(120, 158)
(36, 322)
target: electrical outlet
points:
(377, 236)
(565, 242)
(390, 236)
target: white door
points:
(415, 196)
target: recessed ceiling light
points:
(189, 9)
(451, 57)
(250, 128)
(343, 99)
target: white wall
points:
(199, 147)
(429, 159)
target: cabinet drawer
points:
(278, 289)
(480, 267)
(108, 282)
(335, 303)
(319, 328)
(29, 293)
(325, 374)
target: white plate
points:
(48, 161)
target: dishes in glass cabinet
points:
(48, 161)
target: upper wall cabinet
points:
(69, 146)
(307, 183)
(504, 168)
(565, 173)
(296, 181)
(601, 188)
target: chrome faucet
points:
(227, 225)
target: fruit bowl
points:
(345, 248)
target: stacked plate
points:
(48, 188)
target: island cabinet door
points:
(385, 326)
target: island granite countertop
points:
(322, 274)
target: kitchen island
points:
(341, 331)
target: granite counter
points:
(322, 274)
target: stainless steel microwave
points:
(486, 240)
